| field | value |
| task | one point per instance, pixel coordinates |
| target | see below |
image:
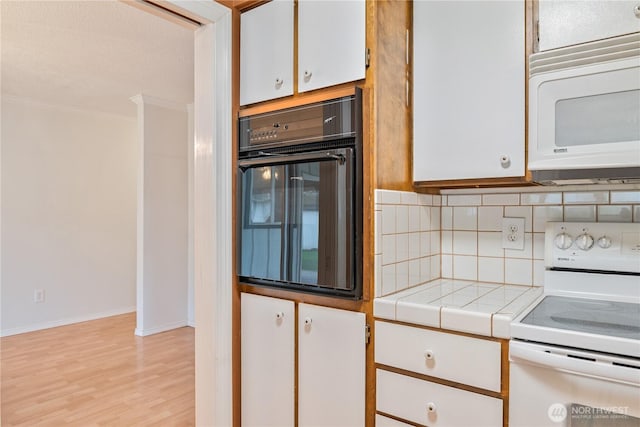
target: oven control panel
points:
(593, 246)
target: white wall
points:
(68, 215)
(163, 226)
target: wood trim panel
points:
(473, 183)
(235, 312)
(299, 99)
(391, 22)
(530, 46)
(505, 382)
(533, 7)
(242, 5)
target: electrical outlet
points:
(513, 233)
(38, 295)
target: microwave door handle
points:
(271, 159)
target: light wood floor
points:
(98, 373)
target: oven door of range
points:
(297, 220)
(553, 386)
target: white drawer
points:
(434, 404)
(382, 421)
(471, 361)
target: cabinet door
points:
(267, 361)
(266, 52)
(564, 23)
(331, 43)
(469, 82)
(331, 367)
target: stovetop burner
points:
(609, 318)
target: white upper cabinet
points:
(564, 23)
(266, 52)
(331, 43)
(469, 90)
(331, 367)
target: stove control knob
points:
(584, 241)
(605, 242)
(563, 241)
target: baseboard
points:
(64, 322)
(191, 323)
(143, 332)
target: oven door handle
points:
(536, 355)
(271, 159)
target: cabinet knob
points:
(431, 407)
(428, 355)
(279, 83)
(307, 321)
(279, 315)
(636, 11)
(307, 75)
(505, 161)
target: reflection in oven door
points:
(297, 227)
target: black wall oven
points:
(300, 198)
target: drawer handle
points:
(428, 355)
(307, 321)
(279, 83)
(431, 407)
(279, 315)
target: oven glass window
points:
(297, 222)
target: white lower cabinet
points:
(437, 378)
(432, 404)
(267, 361)
(331, 367)
(331, 364)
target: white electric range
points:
(575, 355)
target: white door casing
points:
(212, 209)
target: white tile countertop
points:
(460, 305)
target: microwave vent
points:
(616, 48)
(627, 175)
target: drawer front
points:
(382, 421)
(432, 404)
(471, 361)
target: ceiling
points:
(92, 54)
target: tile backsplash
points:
(407, 240)
(422, 237)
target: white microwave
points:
(584, 113)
